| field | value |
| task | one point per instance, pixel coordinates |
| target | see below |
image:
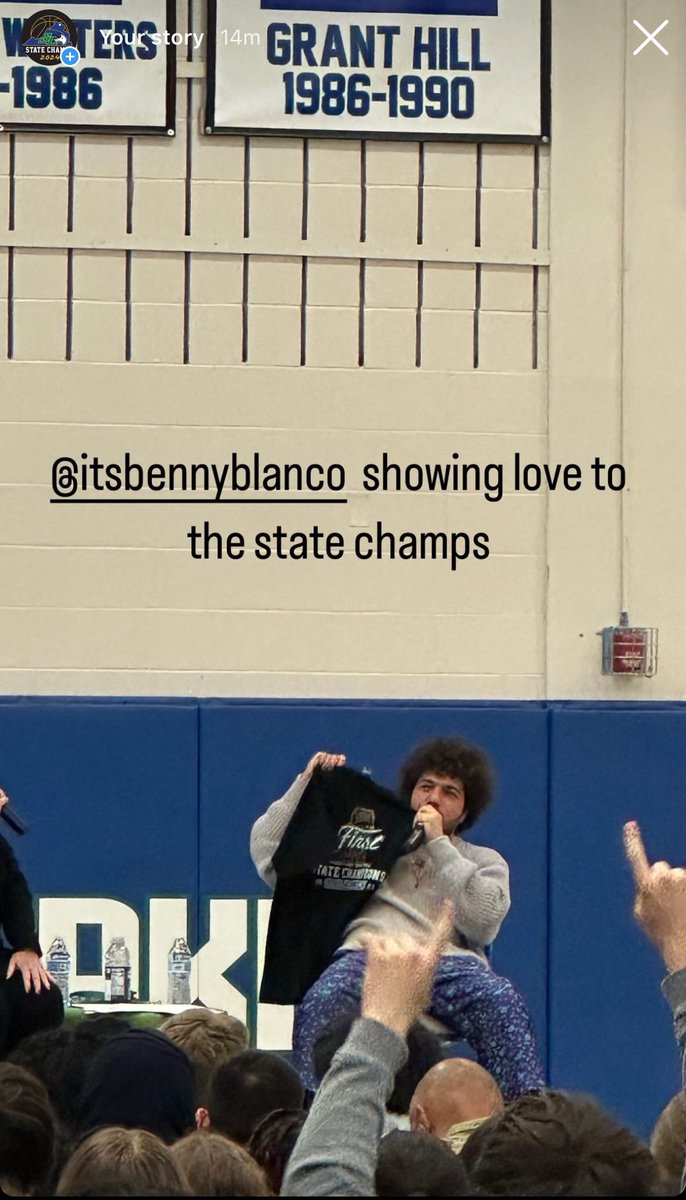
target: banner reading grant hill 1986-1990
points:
(412, 68)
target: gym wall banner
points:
(108, 66)
(464, 69)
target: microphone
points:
(12, 817)
(415, 839)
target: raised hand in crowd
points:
(660, 906)
(337, 1150)
(400, 971)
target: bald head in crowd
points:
(453, 1098)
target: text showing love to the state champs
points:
(216, 492)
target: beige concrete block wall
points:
(324, 300)
(617, 349)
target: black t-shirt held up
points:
(339, 845)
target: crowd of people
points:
(372, 1103)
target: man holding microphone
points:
(448, 783)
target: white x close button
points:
(650, 37)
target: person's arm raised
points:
(660, 909)
(400, 970)
(337, 1150)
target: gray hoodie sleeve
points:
(674, 991)
(270, 828)
(337, 1150)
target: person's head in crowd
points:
(28, 1132)
(208, 1038)
(424, 1050)
(61, 1057)
(122, 1162)
(272, 1142)
(449, 759)
(247, 1087)
(453, 1098)
(668, 1142)
(140, 1080)
(216, 1166)
(558, 1144)
(418, 1164)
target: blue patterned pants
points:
(477, 1006)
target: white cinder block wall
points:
(327, 301)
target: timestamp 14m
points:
(238, 37)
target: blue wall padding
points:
(140, 798)
(610, 1032)
(110, 794)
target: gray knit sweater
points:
(473, 877)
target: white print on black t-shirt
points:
(349, 868)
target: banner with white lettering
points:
(412, 68)
(108, 65)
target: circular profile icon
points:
(46, 34)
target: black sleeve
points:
(16, 906)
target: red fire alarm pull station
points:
(629, 649)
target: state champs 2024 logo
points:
(46, 34)
(350, 869)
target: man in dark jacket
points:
(29, 1000)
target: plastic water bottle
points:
(179, 973)
(58, 963)
(117, 972)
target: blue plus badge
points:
(70, 56)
